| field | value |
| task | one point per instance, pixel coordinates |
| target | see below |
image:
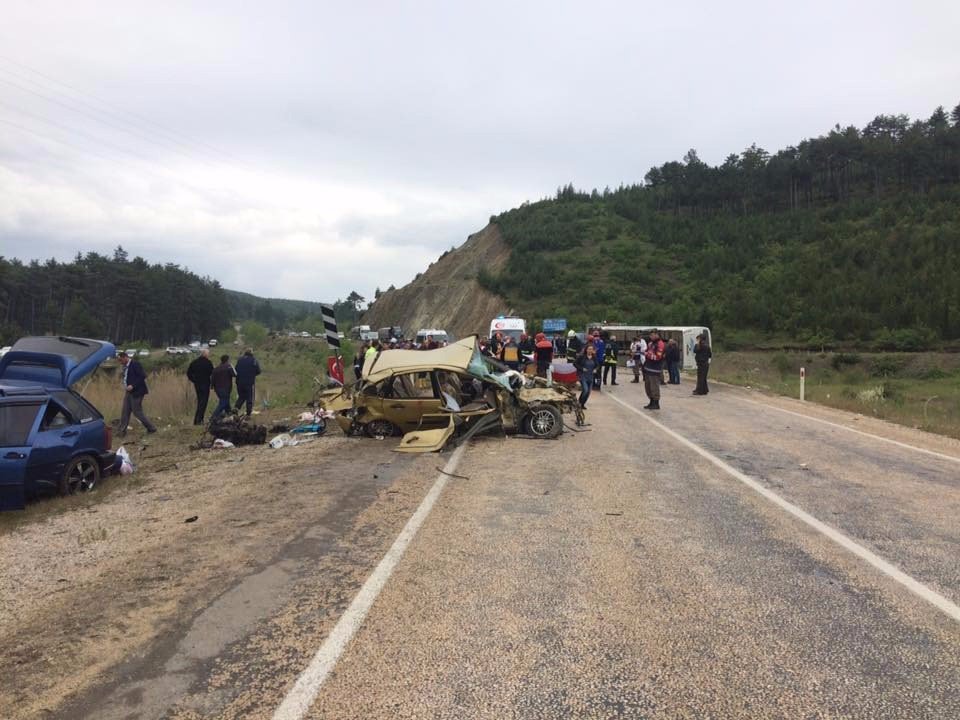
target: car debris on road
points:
(429, 396)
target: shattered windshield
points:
(484, 368)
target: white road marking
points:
(934, 453)
(931, 596)
(301, 696)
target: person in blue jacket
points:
(247, 370)
(134, 389)
(600, 346)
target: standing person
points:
(637, 348)
(371, 352)
(600, 346)
(702, 353)
(247, 370)
(199, 374)
(544, 354)
(496, 342)
(586, 365)
(652, 369)
(610, 359)
(673, 362)
(358, 361)
(135, 387)
(527, 345)
(510, 353)
(574, 346)
(222, 380)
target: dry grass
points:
(171, 398)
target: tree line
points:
(852, 237)
(115, 298)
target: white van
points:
(508, 325)
(439, 336)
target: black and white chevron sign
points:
(330, 326)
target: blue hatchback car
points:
(51, 438)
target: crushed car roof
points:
(455, 357)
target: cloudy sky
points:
(306, 149)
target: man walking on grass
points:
(247, 370)
(652, 368)
(199, 374)
(134, 388)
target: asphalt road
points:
(612, 573)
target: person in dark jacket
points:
(135, 388)
(199, 374)
(611, 355)
(600, 346)
(574, 346)
(652, 368)
(358, 361)
(222, 380)
(586, 364)
(247, 370)
(702, 353)
(673, 362)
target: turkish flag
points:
(335, 368)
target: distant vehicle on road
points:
(131, 353)
(4, 350)
(212, 342)
(508, 325)
(172, 350)
(440, 336)
(50, 436)
(304, 333)
(357, 331)
(144, 353)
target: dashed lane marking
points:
(915, 586)
(304, 692)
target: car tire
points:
(80, 475)
(544, 421)
(380, 428)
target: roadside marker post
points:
(334, 364)
(803, 377)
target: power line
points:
(172, 135)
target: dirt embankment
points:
(447, 295)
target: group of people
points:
(514, 352)
(597, 359)
(202, 375)
(370, 348)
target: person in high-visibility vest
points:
(574, 346)
(610, 353)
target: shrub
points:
(886, 366)
(782, 363)
(839, 360)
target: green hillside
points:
(851, 238)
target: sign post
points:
(803, 377)
(553, 325)
(334, 363)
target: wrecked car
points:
(50, 436)
(429, 395)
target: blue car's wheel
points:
(81, 474)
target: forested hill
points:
(109, 297)
(851, 237)
(272, 312)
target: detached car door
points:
(17, 424)
(410, 396)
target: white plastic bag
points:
(223, 444)
(126, 464)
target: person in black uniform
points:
(199, 373)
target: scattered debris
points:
(453, 475)
(222, 444)
(124, 464)
(192, 518)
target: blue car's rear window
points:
(16, 422)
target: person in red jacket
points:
(544, 353)
(652, 368)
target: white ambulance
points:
(508, 325)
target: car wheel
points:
(81, 474)
(544, 421)
(381, 428)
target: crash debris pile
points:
(236, 429)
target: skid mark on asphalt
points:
(919, 589)
(301, 696)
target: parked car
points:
(213, 342)
(4, 350)
(173, 350)
(51, 438)
(144, 353)
(429, 395)
(131, 352)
